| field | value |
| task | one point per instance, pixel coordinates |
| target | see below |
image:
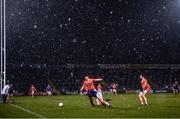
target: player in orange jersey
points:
(32, 90)
(92, 92)
(145, 87)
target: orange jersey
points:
(99, 87)
(148, 87)
(144, 83)
(85, 86)
(89, 84)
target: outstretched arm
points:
(82, 87)
(98, 79)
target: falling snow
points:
(96, 32)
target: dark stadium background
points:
(46, 38)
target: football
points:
(60, 104)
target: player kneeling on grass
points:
(145, 87)
(99, 89)
(92, 92)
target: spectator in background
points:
(176, 88)
(49, 90)
(5, 92)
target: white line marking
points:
(26, 110)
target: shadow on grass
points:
(116, 108)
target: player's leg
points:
(11, 98)
(3, 98)
(98, 102)
(100, 98)
(115, 92)
(91, 101)
(140, 97)
(144, 97)
(32, 93)
(176, 91)
(89, 94)
(7, 100)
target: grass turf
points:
(76, 106)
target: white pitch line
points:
(26, 110)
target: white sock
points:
(107, 103)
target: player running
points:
(92, 92)
(114, 88)
(145, 87)
(32, 90)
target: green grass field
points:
(77, 106)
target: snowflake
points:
(12, 14)
(35, 26)
(69, 19)
(74, 40)
(164, 7)
(111, 12)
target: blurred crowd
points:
(64, 80)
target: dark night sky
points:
(93, 31)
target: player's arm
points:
(82, 87)
(99, 79)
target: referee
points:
(4, 93)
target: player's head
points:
(142, 76)
(86, 77)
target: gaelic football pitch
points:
(77, 106)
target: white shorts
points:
(114, 90)
(49, 93)
(32, 92)
(142, 92)
(99, 96)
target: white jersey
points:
(5, 90)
